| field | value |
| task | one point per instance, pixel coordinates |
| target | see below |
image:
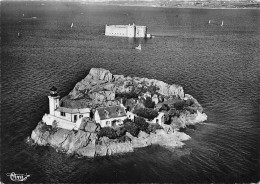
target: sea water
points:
(218, 65)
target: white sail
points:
(71, 25)
(222, 23)
(139, 47)
(209, 21)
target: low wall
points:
(61, 123)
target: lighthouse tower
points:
(54, 100)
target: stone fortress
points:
(131, 31)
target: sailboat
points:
(71, 25)
(209, 21)
(222, 23)
(19, 35)
(139, 47)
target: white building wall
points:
(159, 119)
(70, 117)
(61, 123)
(130, 115)
(103, 123)
(85, 115)
(67, 116)
(116, 30)
(78, 123)
(96, 117)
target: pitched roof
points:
(111, 112)
(73, 111)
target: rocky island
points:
(108, 114)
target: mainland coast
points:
(235, 4)
(141, 96)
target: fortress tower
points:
(131, 30)
(140, 31)
(54, 100)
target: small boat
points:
(222, 23)
(209, 21)
(19, 35)
(71, 25)
(148, 35)
(139, 47)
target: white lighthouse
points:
(54, 100)
(66, 118)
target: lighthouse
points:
(54, 100)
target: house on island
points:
(66, 118)
(110, 116)
(159, 119)
(71, 118)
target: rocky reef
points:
(143, 97)
(85, 142)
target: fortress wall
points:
(126, 31)
(117, 30)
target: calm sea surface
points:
(217, 65)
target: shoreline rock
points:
(84, 143)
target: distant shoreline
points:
(181, 7)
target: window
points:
(62, 113)
(80, 116)
(107, 123)
(114, 123)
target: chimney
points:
(118, 111)
(106, 113)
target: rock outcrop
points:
(85, 142)
(167, 138)
(100, 87)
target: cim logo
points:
(18, 177)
